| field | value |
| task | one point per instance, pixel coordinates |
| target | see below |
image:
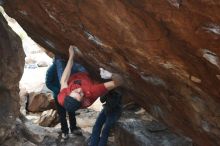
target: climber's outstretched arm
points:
(116, 79)
(67, 70)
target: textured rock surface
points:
(25, 133)
(142, 130)
(11, 68)
(168, 51)
(48, 118)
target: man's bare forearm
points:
(67, 70)
(116, 81)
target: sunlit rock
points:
(23, 100)
(39, 102)
(48, 118)
(175, 3)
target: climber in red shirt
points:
(78, 90)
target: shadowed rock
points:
(141, 130)
(11, 68)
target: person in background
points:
(108, 116)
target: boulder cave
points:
(166, 50)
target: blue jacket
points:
(52, 81)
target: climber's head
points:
(71, 104)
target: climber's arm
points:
(116, 81)
(67, 70)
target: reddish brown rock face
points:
(167, 50)
(11, 69)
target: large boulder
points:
(167, 51)
(39, 102)
(11, 69)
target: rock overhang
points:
(168, 51)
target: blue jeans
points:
(108, 120)
(61, 64)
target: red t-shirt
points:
(91, 91)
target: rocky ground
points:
(27, 133)
(135, 128)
